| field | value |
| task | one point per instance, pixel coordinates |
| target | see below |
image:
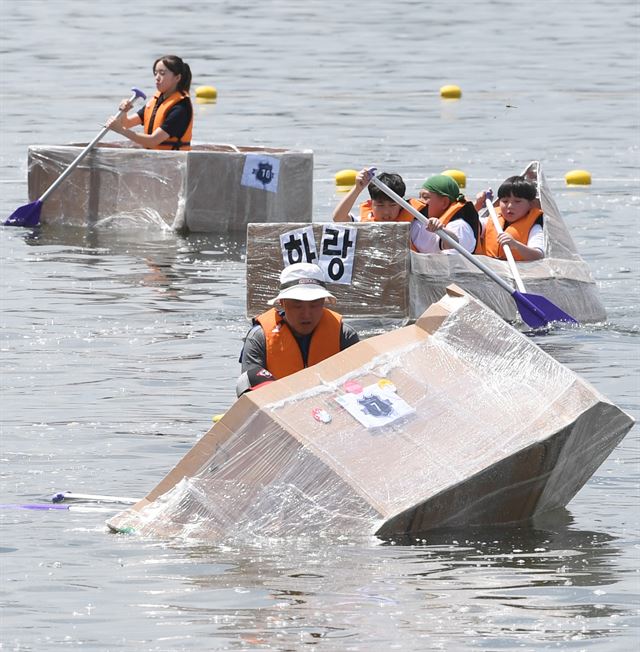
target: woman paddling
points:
(168, 115)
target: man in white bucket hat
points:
(298, 332)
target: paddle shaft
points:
(64, 496)
(445, 236)
(47, 507)
(84, 152)
(507, 249)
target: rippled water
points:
(119, 344)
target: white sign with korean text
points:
(298, 246)
(337, 252)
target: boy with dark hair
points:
(380, 207)
(521, 218)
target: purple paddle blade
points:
(27, 215)
(538, 312)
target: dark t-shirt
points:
(177, 119)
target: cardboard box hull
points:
(201, 190)
(381, 286)
(456, 420)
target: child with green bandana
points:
(446, 208)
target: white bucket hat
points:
(303, 281)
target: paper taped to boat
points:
(212, 188)
(562, 276)
(456, 420)
(373, 283)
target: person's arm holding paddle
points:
(148, 141)
(128, 121)
(342, 212)
(167, 119)
(524, 250)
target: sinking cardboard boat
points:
(380, 285)
(456, 420)
(212, 188)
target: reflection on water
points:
(171, 261)
(525, 587)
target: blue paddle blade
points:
(538, 312)
(27, 215)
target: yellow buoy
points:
(345, 179)
(206, 92)
(451, 92)
(578, 178)
(458, 175)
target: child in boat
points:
(521, 218)
(446, 208)
(167, 117)
(381, 208)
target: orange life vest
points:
(449, 214)
(519, 229)
(366, 212)
(155, 112)
(445, 218)
(283, 355)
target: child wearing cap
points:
(298, 332)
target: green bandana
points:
(445, 185)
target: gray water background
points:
(119, 344)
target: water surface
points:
(119, 343)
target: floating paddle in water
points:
(68, 496)
(29, 214)
(535, 310)
(44, 507)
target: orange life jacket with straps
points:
(519, 230)
(155, 113)
(446, 217)
(452, 211)
(283, 355)
(366, 212)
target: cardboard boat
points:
(457, 420)
(390, 280)
(212, 188)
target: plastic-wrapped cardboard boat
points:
(377, 287)
(453, 421)
(212, 188)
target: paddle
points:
(29, 214)
(536, 311)
(507, 249)
(44, 507)
(65, 496)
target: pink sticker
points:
(353, 387)
(321, 415)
